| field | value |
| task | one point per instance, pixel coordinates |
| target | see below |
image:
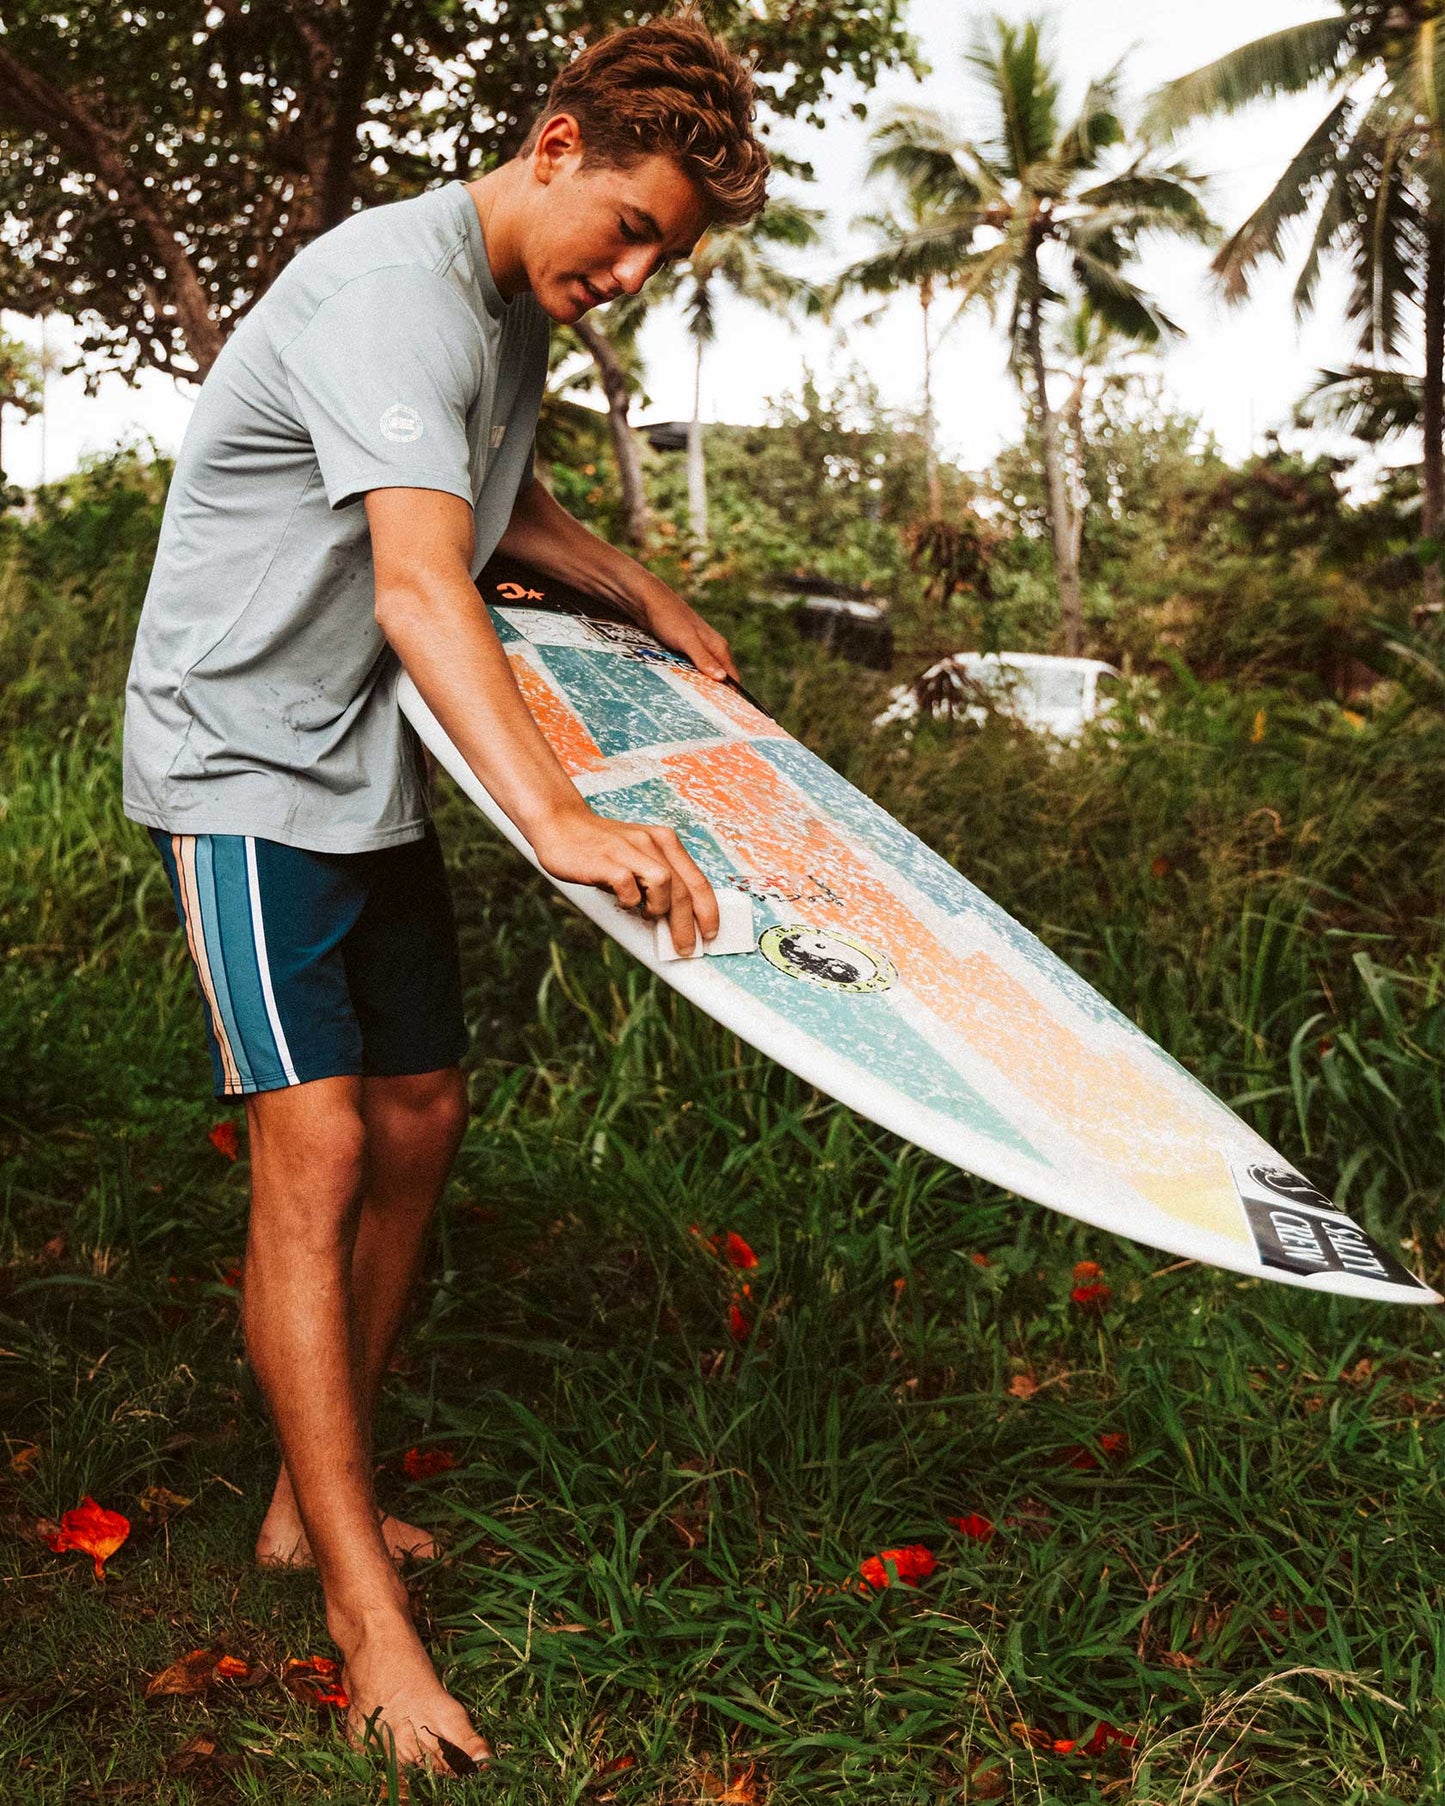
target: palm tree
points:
(613, 349)
(906, 258)
(1031, 214)
(734, 258)
(1370, 176)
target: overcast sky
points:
(1239, 368)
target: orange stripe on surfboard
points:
(737, 709)
(1128, 1119)
(575, 748)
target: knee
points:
(428, 1110)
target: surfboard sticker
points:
(835, 961)
(887, 979)
(1298, 1230)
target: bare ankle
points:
(377, 1620)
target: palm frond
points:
(1285, 62)
(1366, 401)
(1118, 301)
(1099, 126)
(1262, 233)
(1012, 65)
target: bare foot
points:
(282, 1542)
(397, 1700)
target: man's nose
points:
(633, 268)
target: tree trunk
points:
(68, 120)
(930, 425)
(1432, 487)
(636, 516)
(1066, 556)
(696, 464)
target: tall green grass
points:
(656, 1529)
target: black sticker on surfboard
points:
(780, 887)
(1297, 1230)
(824, 957)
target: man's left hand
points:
(669, 619)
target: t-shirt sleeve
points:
(383, 376)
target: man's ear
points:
(559, 140)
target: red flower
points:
(1087, 1269)
(1092, 1297)
(1106, 1735)
(1041, 1740)
(910, 1564)
(92, 1530)
(426, 1464)
(316, 1680)
(980, 1260)
(739, 1323)
(1113, 1445)
(224, 1139)
(232, 1278)
(736, 1252)
(980, 1530)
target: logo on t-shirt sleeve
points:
(401, 423)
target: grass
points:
(654, 1529)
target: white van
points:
(1057, 696)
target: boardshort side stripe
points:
(183, 851)
(258, 939)
(216, 954)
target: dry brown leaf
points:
(189, 1674)
(745, 1790)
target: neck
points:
(497, 198)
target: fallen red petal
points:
(92, 1530)
(979, 1529)
(910, 1564)
(317, 1680)
(1092, 1297)
(425, 1464)
(224, 1138)
(615, 1766)
(1087, 1269)
(1106, 1736)
(736, 1251)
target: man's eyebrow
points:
(645, 220)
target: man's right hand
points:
(645, 868)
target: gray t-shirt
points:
(262, 693)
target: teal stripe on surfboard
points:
(506, 633)
(861, 1027)
(647, 711)
(926, 870)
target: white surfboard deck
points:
(884, 978)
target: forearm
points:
(442, 636)
(543, 534)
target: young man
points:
(360, 448)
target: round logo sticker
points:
(1285, 1184)
(401, 423)
(825, 957)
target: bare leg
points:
(414, 1125)
(308, 1172)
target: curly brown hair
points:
(668, 88)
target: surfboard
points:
(882, 976)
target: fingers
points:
(712, 655)
(663, 879)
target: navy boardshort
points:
(318, 965)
